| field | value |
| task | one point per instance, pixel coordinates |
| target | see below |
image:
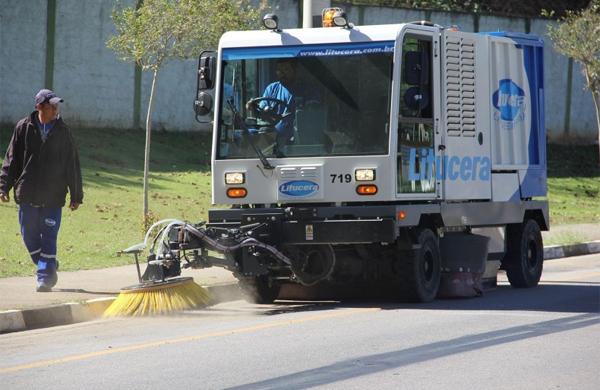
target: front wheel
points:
(524, 258)
(420, 270)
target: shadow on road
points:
(279, 307)
(370, 364)
(554, 297)
(563, 298)
(558, 298)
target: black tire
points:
(260, 289)
(524, 260)
(420, 269)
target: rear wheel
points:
(420, 269)
(260, 289)
(524, 260)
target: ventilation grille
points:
(288, 172)
(308, 172)
(460, 86)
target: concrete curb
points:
(73, 312)
(561, 251)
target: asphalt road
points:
(542, 338)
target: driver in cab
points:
(282, 90)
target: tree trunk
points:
(147, 148)
(596, 97)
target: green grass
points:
(110, 218)
(573, 184)
(565, 239)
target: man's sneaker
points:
(43, 287)
(47, 283)
(52, 280)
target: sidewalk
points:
(19, 292)
(84, 295)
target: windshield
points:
(312, 100)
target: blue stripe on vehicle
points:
(358, 48)
(534, 182)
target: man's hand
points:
(4, 197)
(74, 206)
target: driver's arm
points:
(285, 127)
(269, 92)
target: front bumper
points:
(323, 225)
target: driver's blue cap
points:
(47, 96)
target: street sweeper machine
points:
(410, 156)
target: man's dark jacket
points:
(41, 171)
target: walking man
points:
(41, 163)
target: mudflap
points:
(464, 257)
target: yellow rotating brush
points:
(162, 297)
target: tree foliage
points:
(158, 30)
(578, 36)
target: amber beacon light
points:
(334, 17)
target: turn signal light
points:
(239, 192)
(366, 189)
(401, 215)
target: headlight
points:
(364, 174)
(235, 178)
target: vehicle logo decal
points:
(509, 101)
(299, 188)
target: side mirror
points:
(207, 73)
(203, 104)
(207, 70)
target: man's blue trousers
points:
(39, 228)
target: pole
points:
(147, 147)
(307, 14)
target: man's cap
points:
(47, 96)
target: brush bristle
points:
(169, 299)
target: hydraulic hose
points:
(226, 249)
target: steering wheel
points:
(269, 114)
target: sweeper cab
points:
(408, 155)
